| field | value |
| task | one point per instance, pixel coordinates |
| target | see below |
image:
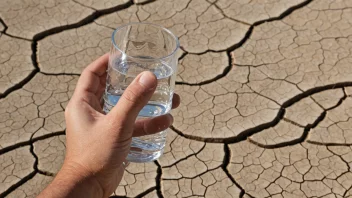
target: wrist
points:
(74, 181)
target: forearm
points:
(71, 183)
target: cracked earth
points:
(265, 85)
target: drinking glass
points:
(138, 47)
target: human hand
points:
(98, 144)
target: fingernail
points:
(171, 118)
(147, 79)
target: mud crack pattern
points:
(266, 94)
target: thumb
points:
(134, 98)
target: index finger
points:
(90, 77)
(99, 66)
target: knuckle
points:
(85, 71)
(145, 130)
(125, 141)
(67, 110)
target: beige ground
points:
(266, 88)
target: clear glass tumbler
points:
(139, 47)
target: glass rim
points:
(145, 23)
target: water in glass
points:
(147, 147)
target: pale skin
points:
(97, 144)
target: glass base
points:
(140, 157)
(147, 148)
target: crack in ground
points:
(224, 165)
(329, 144)
(16, 37)
(92, 17)
(83, 5)
(158, 180)
(292, 122)
(199, 175)
(144, 3)
(249, 132)
(98, 13)
(219, 76)
(183, 55)
(242, 136)
(18, 184)
(35, 164)
(185, 158)
(59, 74)
(89, 19)
(257, 23)
(225, 15)
(305, 133)
(143, 194)
(29, 142)
(31, 75)
(19, 85)
(295, 141)
(241, 42)
(4, 24)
